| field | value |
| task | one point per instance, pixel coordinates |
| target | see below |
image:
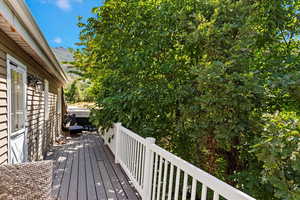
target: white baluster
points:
(177, 184)
(148, 173)
(194, 189)
(216, 196)
(155, 177)
(117, 138)
(170, 182)
(184, 190)
(135, 151)
(204, 192)
(159, 177)
(127, 152)
(143, 155)
(139, 163)
(131, 155)
(165, 180)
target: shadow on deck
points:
(84, 169)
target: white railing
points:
(160, 175)
(109, 139)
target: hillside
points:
(63, 55)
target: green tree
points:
(200, 76)
(71, 93)
(279, 151)
(79, 91)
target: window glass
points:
(17, 101)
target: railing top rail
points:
(210, 181)
(133, 135)
(219, 187)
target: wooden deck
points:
(85, 169)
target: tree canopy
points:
(215, 82)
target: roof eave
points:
(24, 15)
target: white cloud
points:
(63, 4)
(57, 40)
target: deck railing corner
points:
(158, 174)
(148, 173)
(117, 127)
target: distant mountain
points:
(64, 55)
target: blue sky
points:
(58, 19)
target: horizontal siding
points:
(40, 134)
(3, 142)
(3, 102)
(3, 154)
(4, 158)
(3, 109)
(3, 86)
(35, 123)
(3, 71)
(34, 103)
(3, 118)
(51, 125)
(3, 125)
(3, 78)
(3, 134)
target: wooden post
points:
(148, 171)
(117, 138)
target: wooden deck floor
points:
(85, 169)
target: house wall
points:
(3, 108)
(41, 133)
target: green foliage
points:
(279, 151)
(78, 91)
(71, 93)
(200, 77)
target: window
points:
(17, 99)
(16, 94)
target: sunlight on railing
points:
(160, 175)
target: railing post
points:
(117, 138)
(148, 169)
(105, 136)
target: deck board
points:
(119, 172)
(63, 193)
(82, 190)
(99, 185)
(59, 172)
(91, 190)
(74, 175)
(84, 169)
(119, 192)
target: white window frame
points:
(22, 69)
(59, 101)
(46, 93)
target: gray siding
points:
(3, 109)
(41, 134)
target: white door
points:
(17, 109)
